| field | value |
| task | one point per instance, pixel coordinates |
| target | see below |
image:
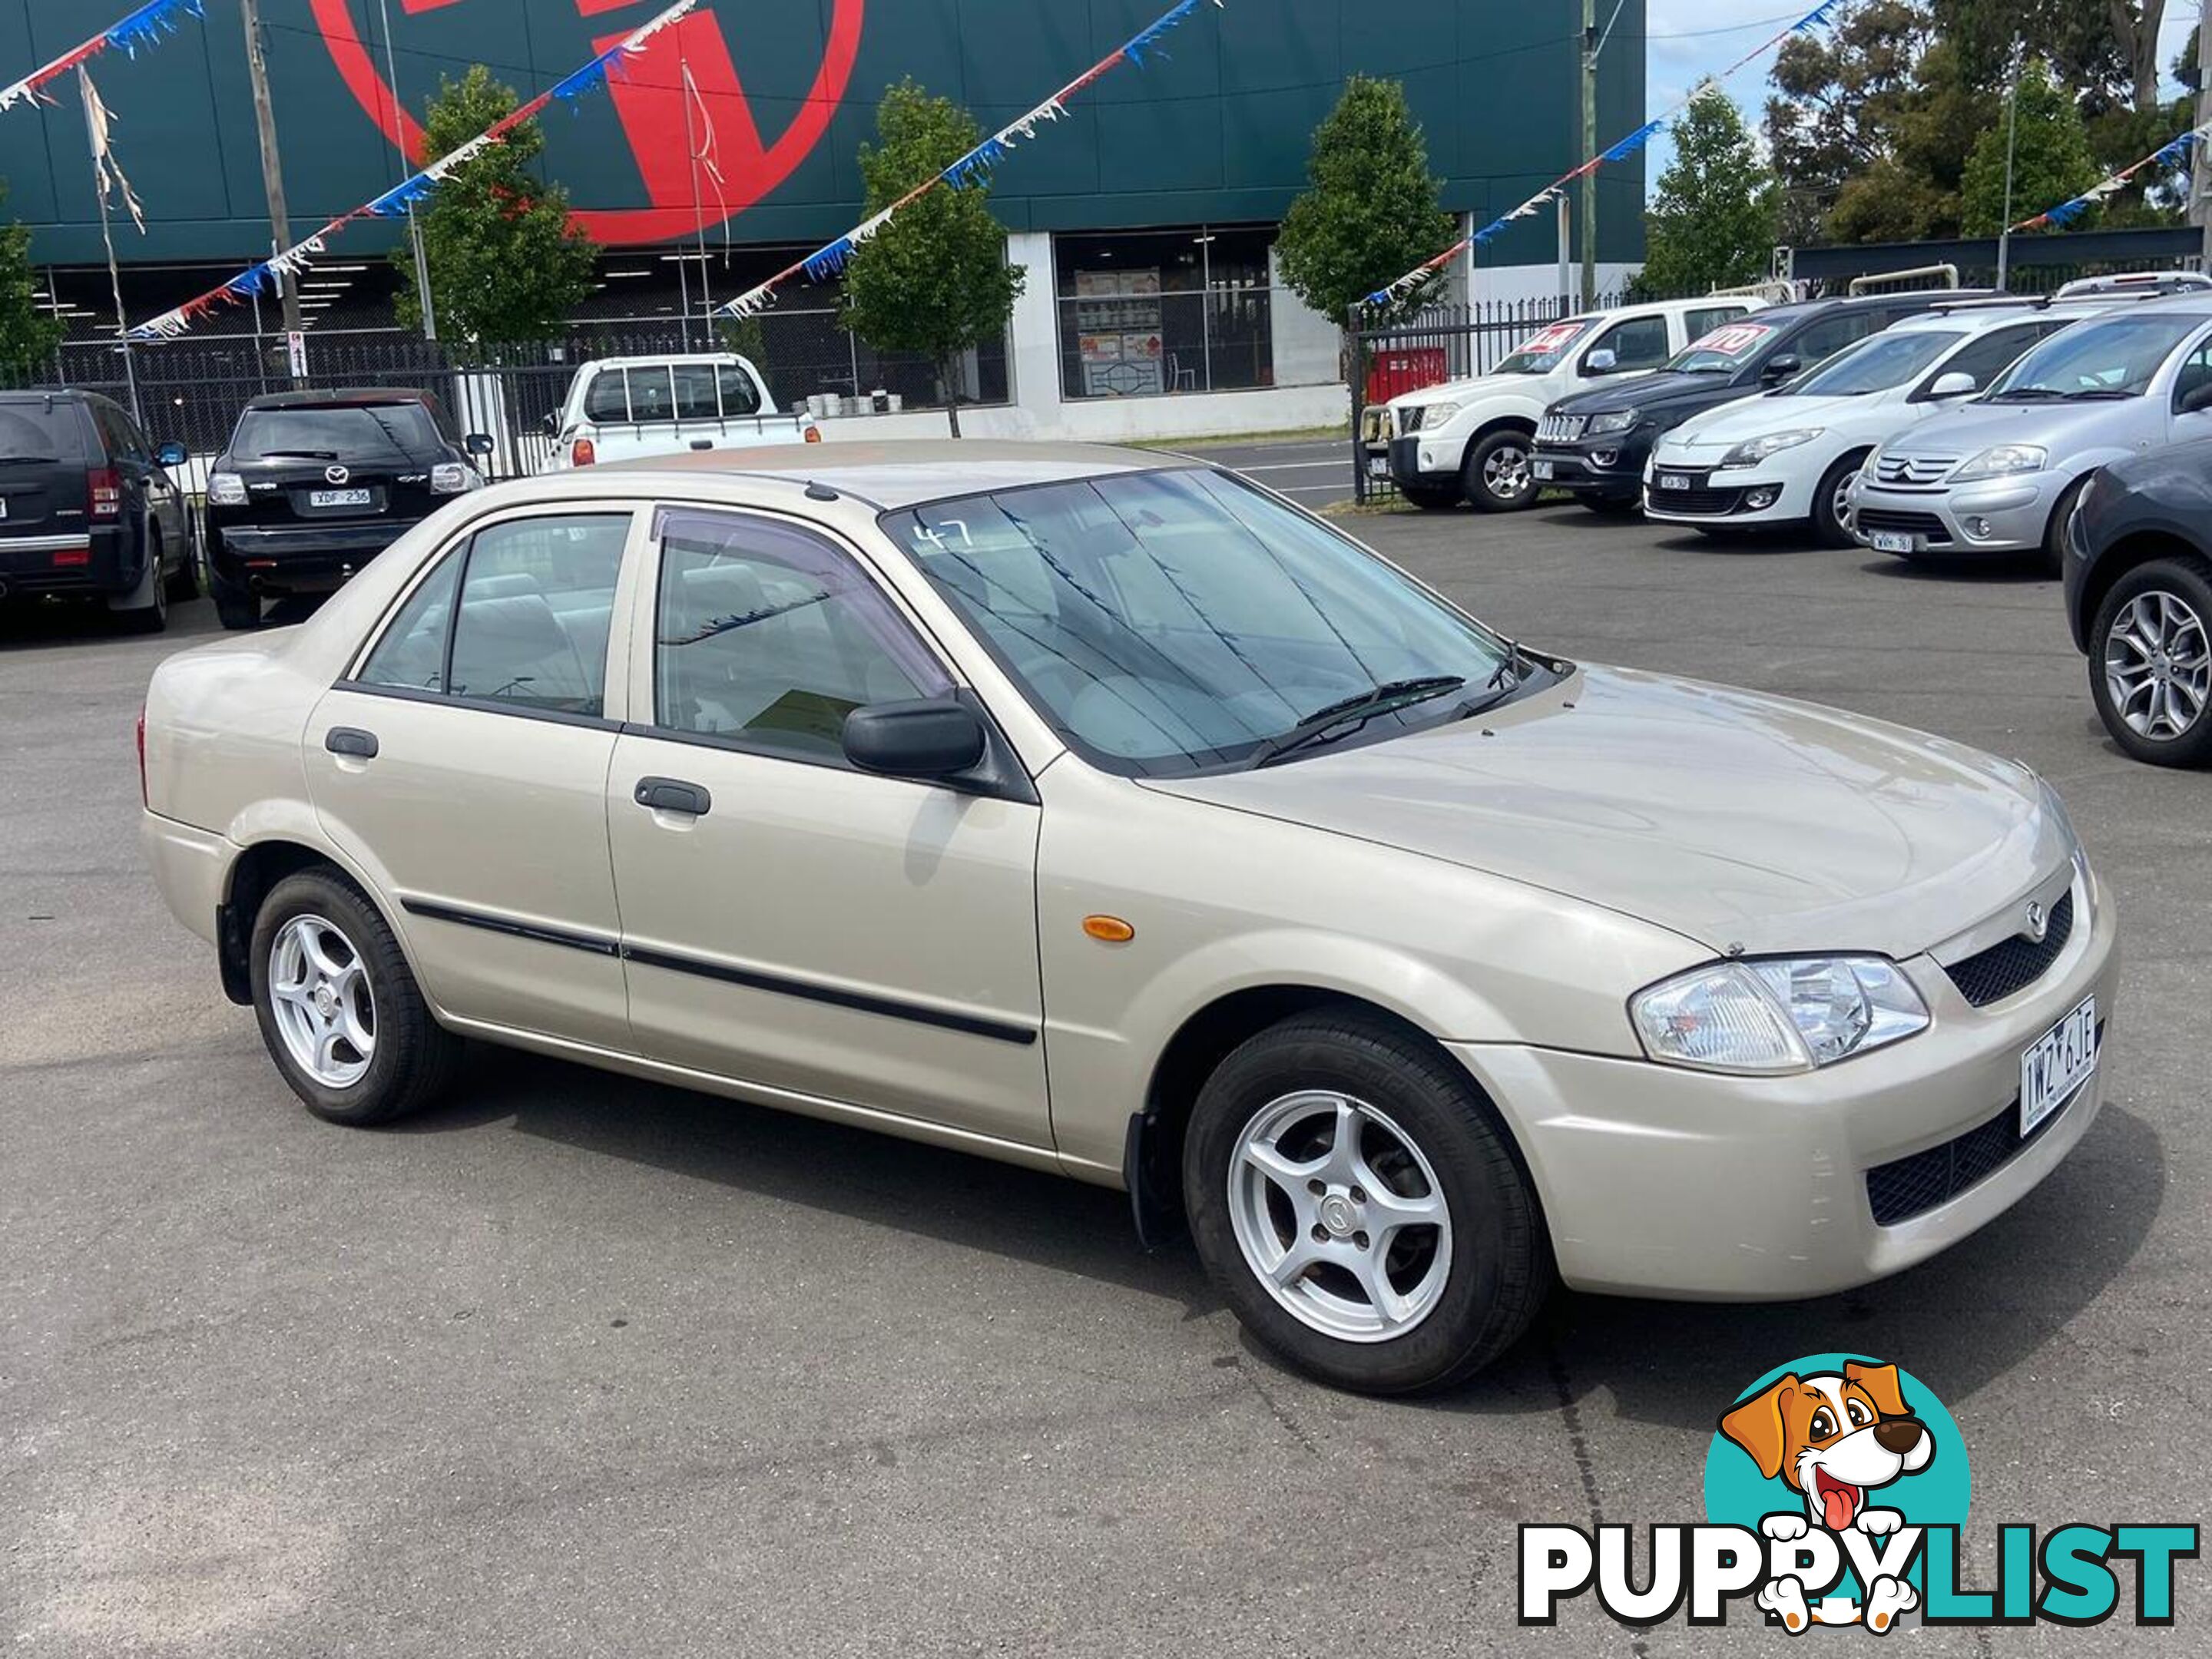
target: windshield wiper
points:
(1361, 707)
(2099, 394)
(1508, 677)
(2029, 394)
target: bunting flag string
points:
(146, 26)
(2175, 152)
(257, 278)
(968, 170)
(1620, 151)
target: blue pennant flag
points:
(1635, 141)
(828, 261)
(146, 26)
(1812, 19)
(1139, 44)
(980, 159)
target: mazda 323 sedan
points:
(1103, 813)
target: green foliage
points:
(1370, 213)
(935, 280)
(1712, 223)
(29, 334)
(505, 264)
(2051, 161)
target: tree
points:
(1370, 213)
(1839, 98)
(935, 279)
(2052, 162)
(505, 264)
(1713, 221)
(29, 334)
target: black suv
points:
(87, 507)
(315, 484)
(1595, 443)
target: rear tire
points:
(1612, 507)
(339, 1011)
(185, 579)
(2155, 619)
(235, 608)
(2053, 557)
(1294, 1220)
(149, 614)
(1497, 477)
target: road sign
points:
(295, 347)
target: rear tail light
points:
(105, 490)
(143, 799)
(814, 434)
(583, 452)
(454, 478)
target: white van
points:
(619, 409)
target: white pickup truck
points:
(1469, 439)
(619, 409)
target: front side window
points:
(1995, 352)
(1876, 364)
(1540, 354)
(1639, 343)
(608, 400)
(2114, 357)
(1168, 621)
(739, 395)
(767, 636)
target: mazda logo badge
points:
(2037, 921)
(337, 475)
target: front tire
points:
(2148, 671)
(1498, 476)
(1431, 498)
(1612, 507)
(1832, 524)
(339, 1011)
(1360, 1206)
(236, 608)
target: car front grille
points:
(1925, 524)
(1560, 429)
(1907, 1187)
(1409, 420)
(2012, 965)
(1913, 472)
(1702, 500)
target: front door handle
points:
(351, 741)
(674, 795)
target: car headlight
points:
(226, 489)
(2004, 461)
(1781, 1014)
(1752, 454)
(1619, 420)
(454, 478)
(1435, 415)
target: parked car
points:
(1098, 811)
(622, 409)
(313, 485)
(1468, 439)
(87, 507)
(1788, 456)
(1999, 476)
(1595, 443)
(2138, 569)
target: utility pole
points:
(2200, 165)
(272, 169)
(2012, 129)
(1590, 44)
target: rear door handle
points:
(350, 740)
(674, 795)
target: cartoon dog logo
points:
(1834, 1437)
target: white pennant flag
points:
(107, 171)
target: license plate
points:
(1674, 480)
(2057, 1064)
(1378, 466)
(337, 498)
(1543, 470)
(1891, 541)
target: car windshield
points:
(1168, 621)
(1540, 354)
(1877, 363)
(2115, 357)
(1724, 351)
(343, 433)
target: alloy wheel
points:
(1505, 472)
(326, 1009)
(2156, 667)
(1339, 1215)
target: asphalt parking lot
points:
(584, 1366)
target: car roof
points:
(344, 397)
(654, 359)
(908, 472)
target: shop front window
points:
(1150, 313)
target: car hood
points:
(1659, 390)
(1731, 817)
(1756, 416)
(1974, 428)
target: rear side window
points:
(1699, 324)
(606, 400)
(411, 655)
(1831, 334)
(739, 395)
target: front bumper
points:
(292, 558)
(1660, 1181)
(1610, 466)
(1430, 463)
(1745, 495)
(2004, 516)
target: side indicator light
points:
(1112, 930)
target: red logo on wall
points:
(650, 105)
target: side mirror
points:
(927, 737)
(1603, 361)
(1957, 383)
(1781, 368)
(172, 453)
(478, 443)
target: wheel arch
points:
(2139, 547)
(255, 872)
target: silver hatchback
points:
(2000, 475)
